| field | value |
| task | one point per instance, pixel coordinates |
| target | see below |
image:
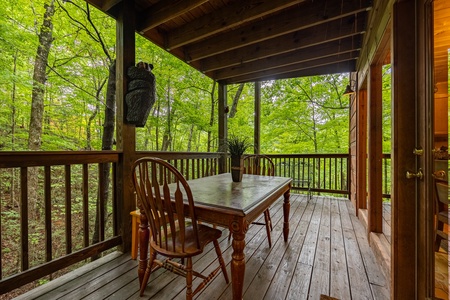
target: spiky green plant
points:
(237, 145)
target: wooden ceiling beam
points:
(313, 36)
(224, 19)
(306, 15)
(164, 11)
(333, 67)
(110, 7)
(302, 55)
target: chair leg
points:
(268, 227)
(148, 272)
(438, 238)
(268, 218)
(221, 262)
(134, 235)
(188, 270)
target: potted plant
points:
(236, 148)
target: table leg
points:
(143, 246)
(286, 208)
(238, 228)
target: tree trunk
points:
(93, 115)
(236, 100)
(13, 131)
(37, 99)
(157, 126)
(211, 119)
(191, 136)
(107, 143)
(167, 137)
(40, 78)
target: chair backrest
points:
(259, 165)
(442, 191)
(161, 191)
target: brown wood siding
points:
(353, 150)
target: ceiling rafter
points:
(335, 63)
(308, 37)
(165, 11)
(290, 21)
(238, 41)
(310, 53)
(226, 18)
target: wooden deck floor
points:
(327, 253)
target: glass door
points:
(441, 27)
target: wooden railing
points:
(191, 164)
(320, 173)
(52, 201)
(70, 187)
(326, 173)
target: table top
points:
(221, 192)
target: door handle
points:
(411, 175)
(440, 174)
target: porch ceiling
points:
(235, 41)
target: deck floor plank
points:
(320, 281)
(299, 283)
(302, 277)
(256, 259)
(374, 273)
(281, 282)
(277, 263)
(339, 285)
(360, 289)
(327, 253)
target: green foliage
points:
(237, 145)
(301, 115)
(386, 92)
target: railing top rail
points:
(318, 155)
(178, 155)
(51, 158)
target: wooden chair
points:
(161, 190)
(442, 201)
(260, 165)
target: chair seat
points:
(206, 235)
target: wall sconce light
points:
(348, 89)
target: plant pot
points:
(237, 168)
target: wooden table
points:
(220, 201)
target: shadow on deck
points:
(327, 253)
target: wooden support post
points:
(125, 133)
(361, 151)
(223, 126)
(375, 137)
(257, 129)
(403, 195)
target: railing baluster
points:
(85, 191)
(48, 213)
(24, 217)
(115, 203)
(102, 201)
(332, 184)
(68, 205)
